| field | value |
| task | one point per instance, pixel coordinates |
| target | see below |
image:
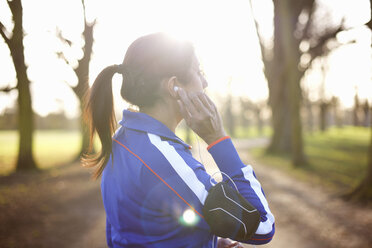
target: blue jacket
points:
(153, 189)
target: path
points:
(63, 208)
(56, 208)
(306, 215)
(309, 216)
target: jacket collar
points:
(144, 123)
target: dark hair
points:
(148, 61)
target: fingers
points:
(201, 115)
(194, 103)
(199, 105)
(211, 103)
(232, 245)
(204, 100)
(186, 115)
(188, 105)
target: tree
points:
(256, 109)
(323, 114)
(309, 112)
(324, 104)
(244, 114)
(229, 116)
(297, 41)
(363, 192)
(356, 110)
(335, 104)
(14, 41)
(365, 113)
(82, 73)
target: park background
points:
(291, 79)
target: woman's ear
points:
(170, 86)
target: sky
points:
(223, 33)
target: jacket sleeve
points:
(188, 183)
(229, 162)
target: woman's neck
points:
(163, 112)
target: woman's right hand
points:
(201, 115)
(226, 243)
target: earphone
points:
(175, 88)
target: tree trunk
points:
(281, 139)
(297, 151)
(363, 193)
(82, 73)
(323, 116)
(309, 116)
(336, 112)
(259, 120)
(284, 88)
(366, 113)
(25, 160)
(85, 134)
(356, 121)
(278, 92)
(229, 117)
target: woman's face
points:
(197, 81)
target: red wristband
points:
(217, 141)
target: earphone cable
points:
(201, 159)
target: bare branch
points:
(15, 7)
(3, 32)
(82, 70)
(69, 85)
(63, 39)
(260, 38)
(318, 49)
(7, 89)
(369, 24)
(85, 17)
(324, 53)
(61, 55)
(305, 34)
(11, 5)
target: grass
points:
(56, 147)
(252, 132)
(337, 158)
(51, 148)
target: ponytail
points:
(100, 117)
(148, 60)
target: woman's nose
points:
(205, 83)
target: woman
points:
(153, 190)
